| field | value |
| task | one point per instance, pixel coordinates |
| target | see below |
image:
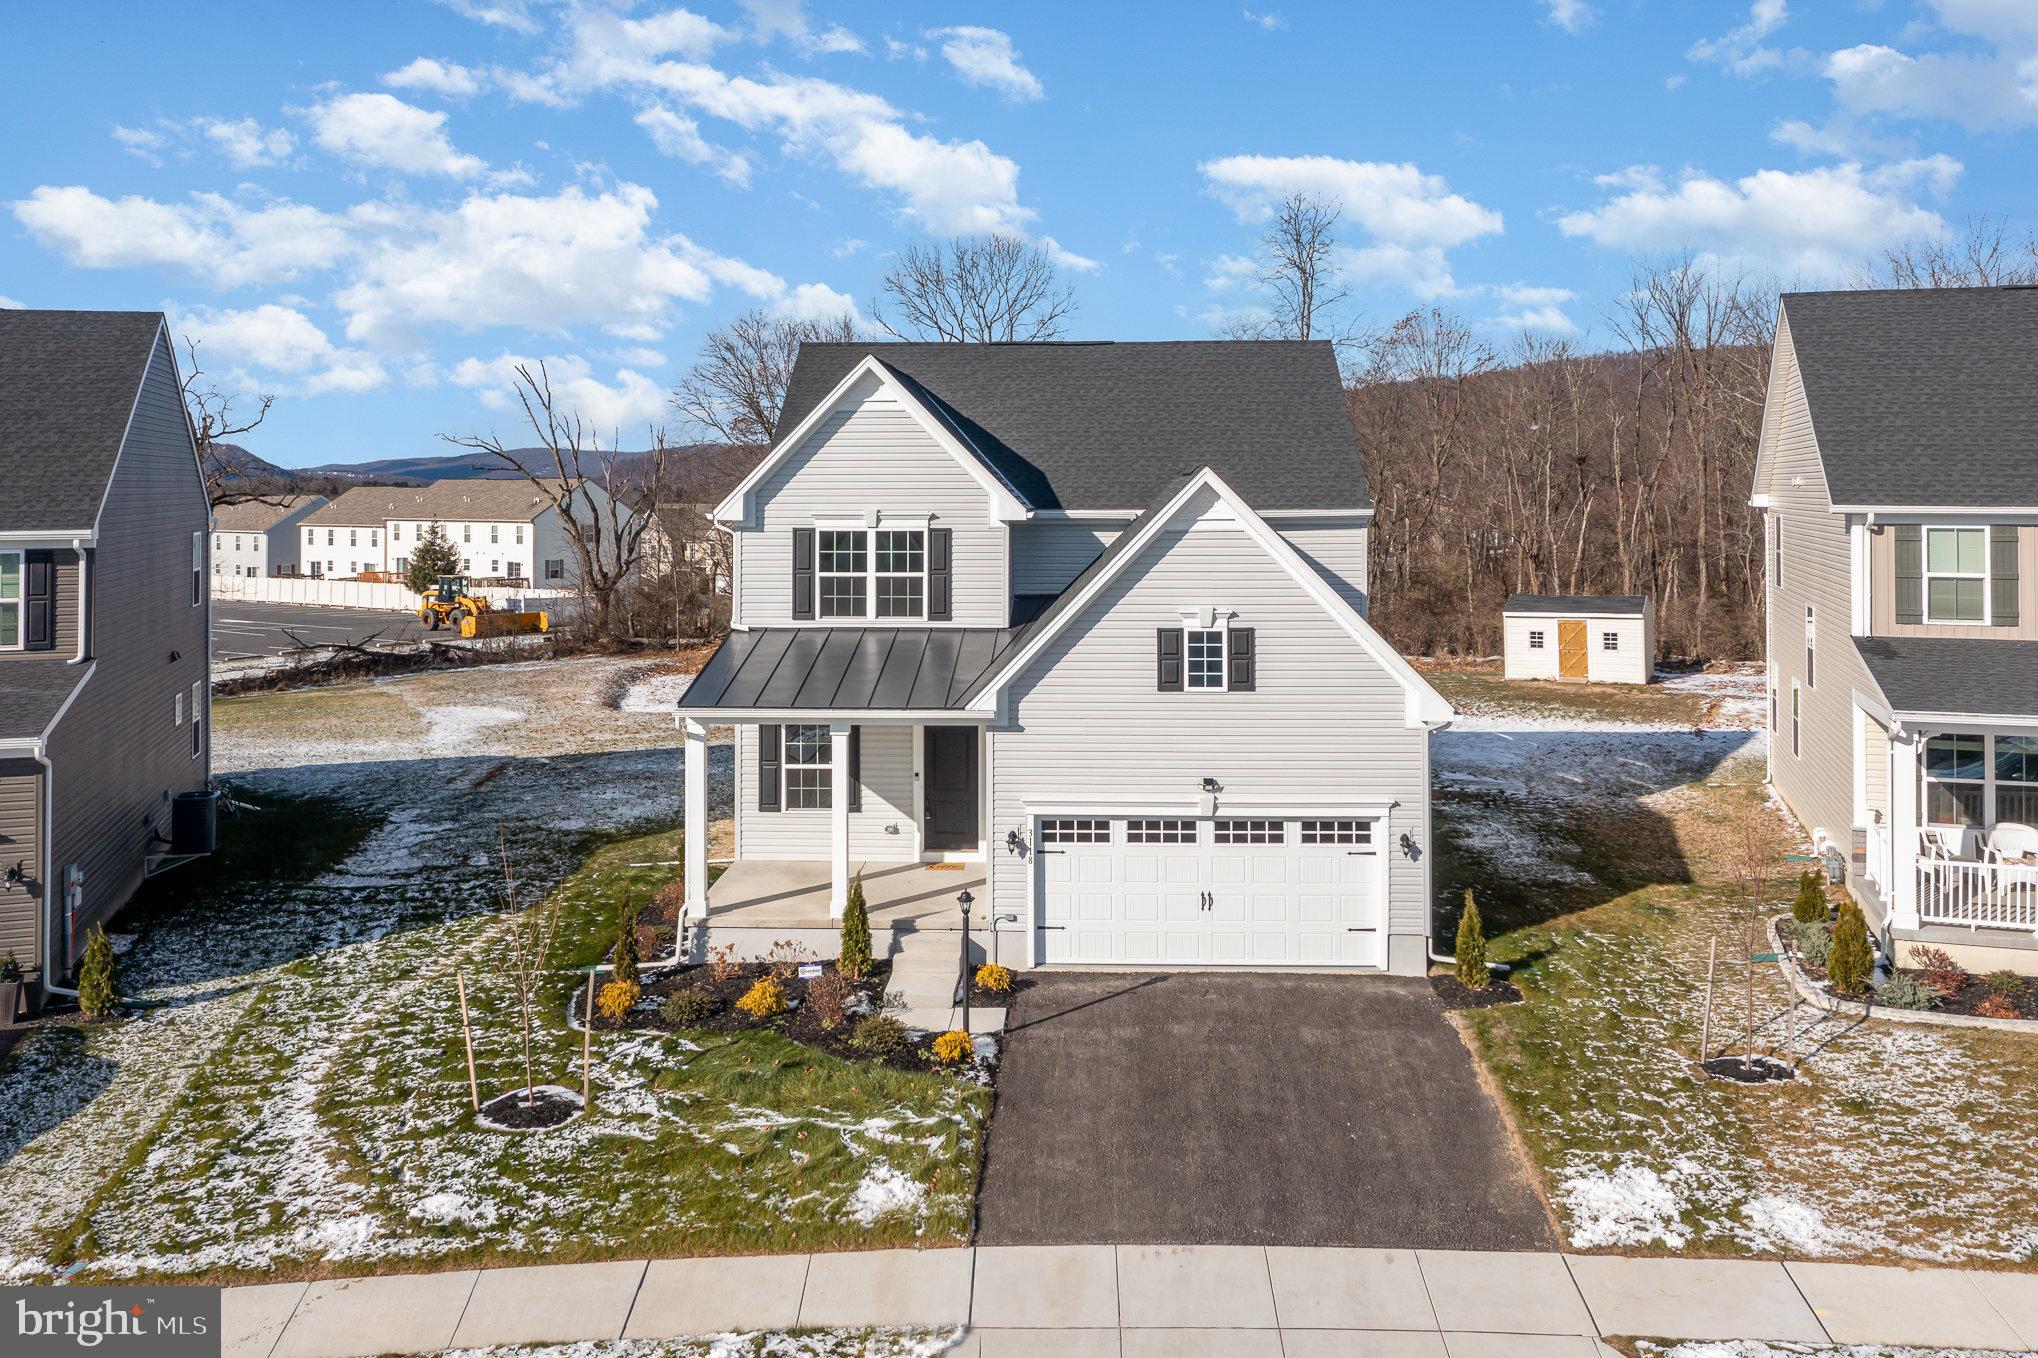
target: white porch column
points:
(1904, 820)
(838, 818)
(696, 866)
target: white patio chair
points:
(2010, 839)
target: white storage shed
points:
(1609, 639)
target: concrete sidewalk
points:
(1133, 1300)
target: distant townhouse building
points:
(260, 537)
(502, 529)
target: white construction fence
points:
(385, 598)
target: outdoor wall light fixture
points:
(1409, 846)
(1013, 844)
(17, 874)
(1210, 785)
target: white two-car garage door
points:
(1241, 892)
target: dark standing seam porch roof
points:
(820, 669)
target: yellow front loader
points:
(450, 605)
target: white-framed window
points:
(1252, 832)
(1609, 641)
(396, 532)
(10, 600)
(237, 542)
(219, 542)
(329, 537)
(1160, 832)
(1811, 656)
(1956, 574)
(494, 534)
(1796, 720)
(1075, 831)
(402, 565)
(197, 569)
(2015, 765)
(197, 718)
(1956, 780)
(1535, 639)
(466, 532)
(900, 556)
(495, 567)
(871, 573)
(841, 568)
(375, 537)
(177, 708)
(1776, 548)
(1203, 658)
(353, 537)
(310, 537)
(809, 784)
(1359, 832)
(520, 535)
(555, 568)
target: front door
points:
(951, 795)
(1571, 657)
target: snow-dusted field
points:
(1606, 849)
(295, 1094)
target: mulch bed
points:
(1967, 998)
(981, 998)
(1455, 994)
(1748, 1070)
(549, 1106)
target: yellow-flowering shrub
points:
(953, 1047)
(615, 1000)
(764, 1000)
(991, 976)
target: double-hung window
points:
(2016, 765)
(10, 601)
(1203, 648)
(1811, 648)
(1956, 575)
(871, 572)
(808, 779)
(901, 572)
(843, 567)
(1956, 780)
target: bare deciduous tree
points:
(974, 290)
(605, 506)
(736, 387)
(529, 933)
(232, 475)
(1984, 255)
(1299, 274)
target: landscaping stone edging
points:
(1809, 991)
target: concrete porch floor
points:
(764, 893)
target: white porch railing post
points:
(696, 865)
(838, 818)
(1904, 821)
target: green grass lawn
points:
(1897, 1141)
(1477, 689)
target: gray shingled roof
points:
(846, 668)
(32, 690)
(1576, 603)
(1099, 425)
(68, 381)
(478, 499)
(1954, 675)
(1922, 396)
(258, 516)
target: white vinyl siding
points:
(1049, 553)
(885, 763)
(872, 455)
(1531, 647)
(1336, 547)
(1324, 729)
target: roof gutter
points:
(29, 537)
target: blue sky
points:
(371, 209)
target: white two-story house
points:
(502, 528)
(1080, 630)
(259, 538)
(1898, 479)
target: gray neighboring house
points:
(1898, 478)
(1079, 629)
(104, 617)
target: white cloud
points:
(514, 15)
(9, 304)
(897, 49)
(143, 142)
(679, 136)
(382, 131)
(628, 400)
(1573, 16)
(1741, 50)
(273, 339)
(439, 77)
(787, 19)
(1270, 21)
(1411, 218)
(1812, 224)
(210, 236)
(818, 302)
(1992, 90)
(246, 144)
(1534, 308)
(1231, 271)
(1067, 259)
(985, 57)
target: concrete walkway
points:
(1131, 1301)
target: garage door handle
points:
(1056, 927)
(1356, 930)
(1050, 851)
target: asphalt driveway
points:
(1199, 1108)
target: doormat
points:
(946, 867)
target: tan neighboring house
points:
(503, 529)
(104, 707)
(259, 537)
(1898, 478)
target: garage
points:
(1161, 891)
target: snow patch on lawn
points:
(454, 728)
(656, 693)
(1756, 1348)
(885, 1192)
(880, 1343)
(1632, 1206)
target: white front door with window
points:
(1209, 891)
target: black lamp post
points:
(965, 900)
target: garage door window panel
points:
(1252, 832)
(1354, 832)
(1160, 832)
(1075, 831)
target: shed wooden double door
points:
(1572, 660)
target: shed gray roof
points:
(68, 381)
(32, 688)
(846, 668)
(1576, 603)
(1924, 396)
(1954, 675)
(1099, 425)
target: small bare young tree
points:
(736, 387)
(605, 504)
(530, 933)
(975, 290)
(1984, 255)
(233, 476)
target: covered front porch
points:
(763, 893)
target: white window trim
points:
(1929, 575)
(1535, 639)
(1208, 618)
(786, 767)
(1989, 782)
(1796, 721)
(1609, 641)
(17, 603)
(869, 526)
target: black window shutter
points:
(2002, 574)
(39, 601)
(1910, 573)
(803, 572)
(1244, 658)
(856, 768)
(940, 575)
(1168, 659)
(767, 768)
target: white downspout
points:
(49, 820)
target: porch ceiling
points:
(773, 893)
